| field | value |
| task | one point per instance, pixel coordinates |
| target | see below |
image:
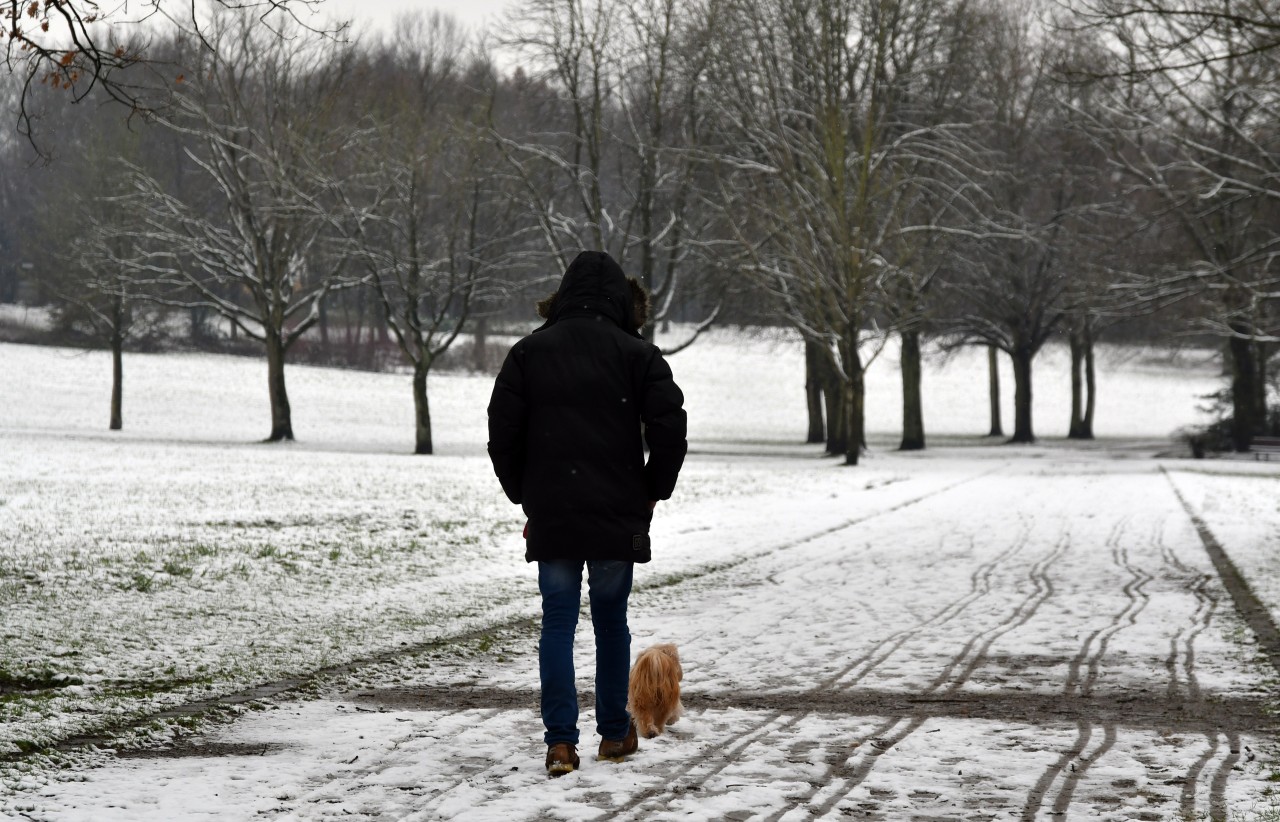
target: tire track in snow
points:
(869, 747)
(976, 651)
(1187, 804)
(1138, 600)
(1205, 609)
(1182, 650)
(680, 780)
(316, 795)
(1079, 768)
(1182, 644)
(1094, 741)
(860, 667)
(1259, 620)
(1182, 653)
(979, 587)
(1089, 657)
(1084, 731)
(1215, 794)
(1256, 615)
(1218, 785)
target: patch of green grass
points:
(140, 582)
(148, 689)
(176, 569)
(447, 525)
(43, 680)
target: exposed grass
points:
(45, 679)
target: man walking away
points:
(565, 438)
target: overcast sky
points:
(382, 13)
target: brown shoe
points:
(561, 759)
(616, 750)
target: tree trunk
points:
(993, 387)
(422, 411)
(837, 418)
(117, 379)
(1076, 430)
(855, 395)
(858, 419)
(1090, 386)
(1022, 356)
(281, 416)
(912, 409)
(851, 448)
(1244, 390)
(1083, 383)
(813, 362)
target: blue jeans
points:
(561, 585)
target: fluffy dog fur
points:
(653, 694)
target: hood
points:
(593, 284)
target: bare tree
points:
(255, 249)
(615, 167)
(842, 178)
(1012, 289)
(67, 224)
(93, 294)
(1192, 129)
(431, 229)
(97, 291)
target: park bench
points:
(1264, 447)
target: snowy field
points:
(973, 632)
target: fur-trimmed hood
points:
(594, 283)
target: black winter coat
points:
(565, 423)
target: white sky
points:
(382, 13)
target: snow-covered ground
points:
(976, 631)
(739, 389)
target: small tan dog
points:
(653, 694)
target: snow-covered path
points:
(1002, 637)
